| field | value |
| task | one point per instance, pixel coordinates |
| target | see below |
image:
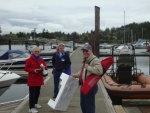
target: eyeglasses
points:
(84, 50)
(36, 51)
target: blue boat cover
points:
(5, 56)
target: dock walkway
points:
(103, 102)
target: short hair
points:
(36, 48)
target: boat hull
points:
(125, 91)
(2, 90)
(7, 78)
(144, 79)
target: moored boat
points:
(18, 58)
(125, 81)
(137, 90)
(122, 49)
(7, 78)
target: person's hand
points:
(42, 66)
(86, 65)
(72, 75)
(38, 70)
(35, 71)
(75, 76)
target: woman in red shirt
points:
(35, 79)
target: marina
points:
(124, 53)
(102, 101)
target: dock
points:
(103, 101)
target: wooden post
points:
(51, 45)
(26, 45)
(43, 46)
(97, 31)
(74, 39)
(9, 43)
(37, 43)
(91, 40)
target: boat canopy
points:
(10, 54)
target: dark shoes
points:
(54, 96)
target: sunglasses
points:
(84, 50)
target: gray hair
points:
(36, 49)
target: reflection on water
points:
(15, 92)
(143, 64)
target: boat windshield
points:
(16, 55)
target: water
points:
(15, 92)
(4, 48)
(19, 91)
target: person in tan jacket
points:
(91, 65)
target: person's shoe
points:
(38, 106)
(54, 96)
(33, 110)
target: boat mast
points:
(124, 27)
(0, 30)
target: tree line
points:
(124, 34)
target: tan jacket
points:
(94, 67)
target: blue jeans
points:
(56, 75)
(87, 102)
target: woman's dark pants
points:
(34, 92)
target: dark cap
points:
(86, 47)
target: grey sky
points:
(69, 15)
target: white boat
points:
(17, 59)
(122, 49)
(7, 78)
(142, 45)
(105, 46)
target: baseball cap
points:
(86, 47)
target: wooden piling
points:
(43, 46)
(94, 37)
(97, 31)
(26, 45)
(9, 43)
